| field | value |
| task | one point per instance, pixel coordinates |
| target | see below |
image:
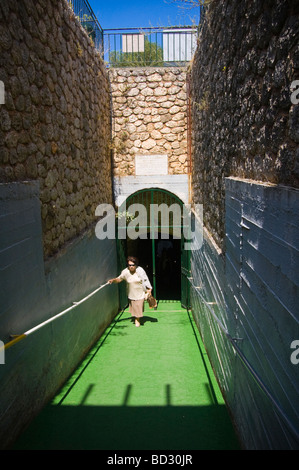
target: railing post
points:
(2, 93)
(2, 353)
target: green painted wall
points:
(32, 292)
(245, 305)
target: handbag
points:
(151, 301)
(143, 278)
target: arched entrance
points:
(157, 240)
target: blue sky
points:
(142, 13)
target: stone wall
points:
(149, 115)
(55, 123)
(244, 123)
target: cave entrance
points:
(153, 220)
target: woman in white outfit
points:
(138, 286)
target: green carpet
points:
(146, 388)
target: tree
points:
(152, 55)
(193, 3)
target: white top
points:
(137, 283)
(135, 289)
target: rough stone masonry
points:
(55, 123)
(244, 123)
(150, 117)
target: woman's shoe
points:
(137, 323)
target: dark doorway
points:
(166, 268)
(160, 255)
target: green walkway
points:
(146, 388)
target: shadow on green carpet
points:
(152, 411)
(138, 428)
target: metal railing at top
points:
(149, 47)
(88, 20)
(160, 46)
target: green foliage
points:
(152, 56)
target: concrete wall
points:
(32, 292)
(55, 123)
(252, 290)
(21, 258)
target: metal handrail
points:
(18, 338)
(249, 367)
